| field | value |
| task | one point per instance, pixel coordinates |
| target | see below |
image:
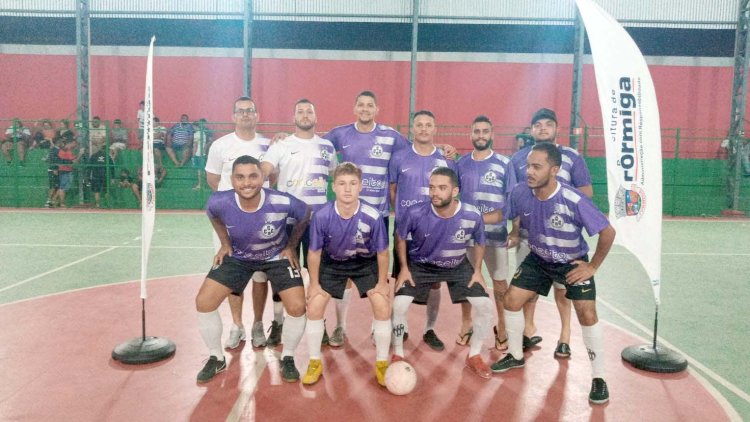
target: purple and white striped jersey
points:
(371, 152)
(259, 235)
(440, 241)
(573, 171)
(362, 235)
(411, 174)
(304, 166)
(555, 225)
(486, 184)
(226, 149)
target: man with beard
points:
(440, 232)
(574, 172)
(251, 221)
(554, 215)
(486, 180)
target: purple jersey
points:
(486, 184)
(371, 152)
(411, 173)
(555, 225)
(259, 235)
(572, 172)
(440, 241)
(362, 235)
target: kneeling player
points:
(348, 241)
(440, 231)
(555, 215)
(251, 224)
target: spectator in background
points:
(17, 135)
(140, 116)
(119, 139)
(66, 157)
(136, 186)
(52, 170)
(45, 134)
(202, 138)
(97, 173)
(97, 135)
(65, 129)
(524, 139)
(180, 141)
(160, 137)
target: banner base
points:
(647, 358)
(139, 351)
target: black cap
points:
(544, 113)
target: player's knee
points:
(295, 309)
(204, 304)
(586, 315)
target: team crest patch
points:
(268, 231)
(460, 235)
(358, 237)
(376, 151)
(490, 177)
(556, 221)
(630, 202)
(324, 154)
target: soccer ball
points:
(400, 378)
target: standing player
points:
(409, 175)
(370, 146)
(555, 214)
(574, 172)
(245, 140)
(440, 231)
(486, 180)
(348, 242)
(251, 224)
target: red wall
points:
(39, 86)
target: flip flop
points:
(529, 342)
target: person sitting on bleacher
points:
(119, 139)
(16, 135)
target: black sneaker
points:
(562, 351)
(433, 341)
(325, 340)
(213, 366)
(599, 393)
(289, 372)
(507, 363)
(529, 342)
(274, 334)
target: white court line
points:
(692, 361)
(51, 245)
(69, 264)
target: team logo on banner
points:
(150, 196)
(630, 202)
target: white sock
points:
(433, 307)
(342, 306)
(314, 334)
(514, 330)
(482, 321)
(278, 312)
(382, 336)
(294, 329)
(594, 341)
(209, 325)
(398, 320)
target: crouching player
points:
(348, 241)
(440, 231)
(251, 224)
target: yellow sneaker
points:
(380, 368)
(314, 372)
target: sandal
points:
(463, 339)
(501, 345)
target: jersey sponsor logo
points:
(556, 221)
(371, 182)
(376, 151)
(406, 203)
(308, 183)
(484, 209)
(490, 177)
(267, 231)
(630, 202)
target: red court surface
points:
(57, 367)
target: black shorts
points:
(458, 278)
(362, 271)
(235, 274)
(537, 275)
(160, 146)
(98, 184)
(54, 180)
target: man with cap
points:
(573, 171)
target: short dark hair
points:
(303, 101)
(366, 94)
(243, 98)
(554, 156)
(347, 168)
(446, 171)
(482, 119)
(424, 113)
(245, 159)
